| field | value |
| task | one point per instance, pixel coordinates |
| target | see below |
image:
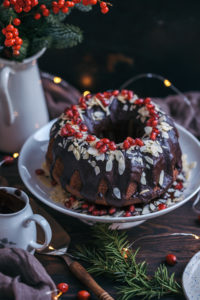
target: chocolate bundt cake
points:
(114, 148)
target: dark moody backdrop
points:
(136, 36)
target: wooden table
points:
(153, 250)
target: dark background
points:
(136, 36)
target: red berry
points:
(105, 10)
(93, 2)
(127, 214)
(139, 142)
(85, 206)
(63, 287)
(124, 92)
(69, 3)
(39, 172)
(90, 138)
(16, 22)
(18, 41)
(83, 295)
(9, 43)
(103, 4)
(103, 149)
(10, 27)
(46, 12)
(130, 95)
(16, 47)
(154, 123)
(126, 145)
(13, 2)
(78, 135)
(65, 10)
(112, 210)
(15, 32)
(9, 35)
(105, 102)
(16, 52)
(6, 3)
(130, 140)
(131, 208)
(69, 113)
(112, 146)
(55, 10)
(91, 208)
(161, 206)
(43, 6)
(171, 259)
(149, 106)
(4, 31)
(95, 212)
(37, 16)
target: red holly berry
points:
(39, 172)
(18, 41)
(171, 259)
(83, 295)
(9, 35)
(161, 206)
(37, 16)
(103, 4)
(69, 3)
(65, 10)
(16, 22)
(6, 3)
(9, 27)
(63, 287)
(46, 12)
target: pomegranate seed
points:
(91, 208)
(39, 172)
(83, 127)
(103, 149)
(139, 101)
(112, 146)
(127, 214)
(99, 96)
(147, 100)
(171, 259)
(131, 208)
(139, 142)
(69, 113)
(130, 140)
(126, 145)
(63, 287)
(154, 123)
(74, 107)
(124, 92)
(78, 135)
(115, 92)
(103, 212)
(105, 141)
(149, 106)
(161, 206)
(90, 138)
(85, 206)
(156, 130)
(95, 212)
(153, 136)
(112, 210)
(105, 102)
(179, 186)
(130, 95)
(64, 132)
(99, 144)
(107, 94)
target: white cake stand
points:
(32, 156)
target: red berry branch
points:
(51, 31)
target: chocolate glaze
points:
(109, 126)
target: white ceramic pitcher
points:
(22, 104)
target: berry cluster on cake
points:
(114, 149)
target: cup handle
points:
(42, 222)
(8, 113)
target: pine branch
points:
(107, 258)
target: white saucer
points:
(191, 278)
(32, 156)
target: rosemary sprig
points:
(106, 257)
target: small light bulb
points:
(167, 83)
(86, 93)
(15, 155)
(57, 80)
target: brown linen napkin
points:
(22, 277)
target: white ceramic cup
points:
(18, 229)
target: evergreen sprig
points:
(106, 257)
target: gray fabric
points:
(22, 277)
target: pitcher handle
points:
(9, 116)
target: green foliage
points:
(106, 258)
(49, 32)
